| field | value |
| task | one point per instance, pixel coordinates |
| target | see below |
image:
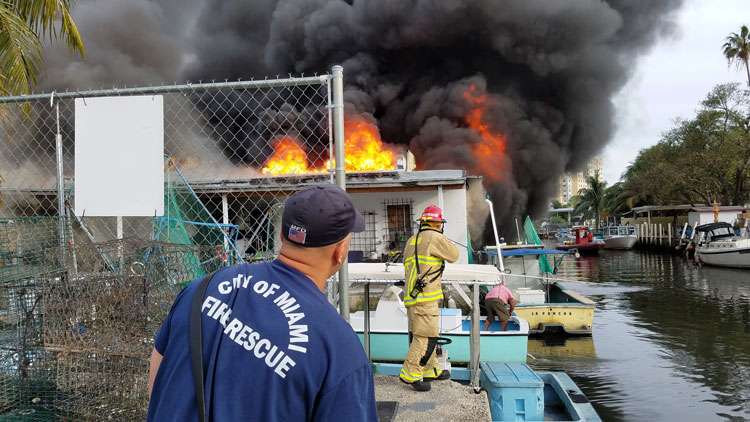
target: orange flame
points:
(288, 158)
(364, 150)
(490, 152)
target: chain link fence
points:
(239, 146)
(82, 297)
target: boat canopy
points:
(713, 226)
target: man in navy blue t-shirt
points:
(274, 349)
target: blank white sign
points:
(119, 156)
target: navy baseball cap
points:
(320, 215)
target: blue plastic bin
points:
(515, 392)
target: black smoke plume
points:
(549, 69)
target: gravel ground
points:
(446, 401)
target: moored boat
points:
(388, 328)
(547, 305)
(582, 240)
(619, 237)
(719, 245)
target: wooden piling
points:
(661, 235)
(669, 235)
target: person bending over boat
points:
(425, 254)
(273, 348)
(495, 302)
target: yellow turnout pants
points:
(421, 360)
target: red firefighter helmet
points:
(433, 213)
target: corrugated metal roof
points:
(395, 178)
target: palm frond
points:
(43, 16)
(20, 52)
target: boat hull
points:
(584, 248)
(620, 242)
(725, 257)
(392, 347)
(389, 338)
(563, 310)
(571, 318)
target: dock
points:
(662, 236)
(446, 401)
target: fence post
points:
(60, 184)
(338, 139)
(225, 220)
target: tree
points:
(737, 48)
(556, 204)
(591, 199)
(700, 160)
(23, 25)
(617, 200)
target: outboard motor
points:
(443, 361)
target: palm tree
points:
(591, 199)
(617, 199)
(737, 49)
(23, 25)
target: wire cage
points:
(76, 343)
(80, 304)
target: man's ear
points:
(339, 253)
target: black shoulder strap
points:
(196, 346)
(416, 252)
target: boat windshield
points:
(721, 232)
(620, 230)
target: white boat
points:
(718, 245)
(619, 237)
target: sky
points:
(672, 79)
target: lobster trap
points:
(76, 343)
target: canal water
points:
(671, 340)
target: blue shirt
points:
(274, 349)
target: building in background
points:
(571, 183)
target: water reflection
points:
(671, 339)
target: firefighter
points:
(425, 254)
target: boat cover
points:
(712, 226)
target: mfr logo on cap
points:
(297, 234)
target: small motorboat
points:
(619, 237)
(718, 245)
(546, 305)
(388, 328)
(583, 240)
